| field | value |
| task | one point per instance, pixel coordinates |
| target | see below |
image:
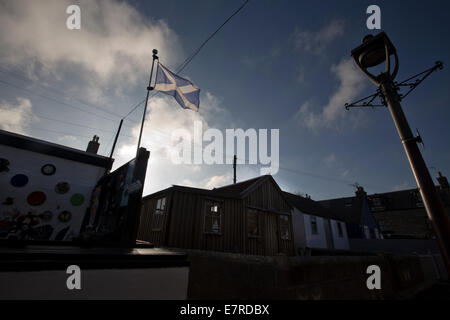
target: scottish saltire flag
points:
(186, 93)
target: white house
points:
(316, 227)
(45, 188)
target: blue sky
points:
(277, 64)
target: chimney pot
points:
(443, 182)
(93, 145)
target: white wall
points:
(318, 240)
(298, 227)
(81, 177)
(303, 237)
(339, 242)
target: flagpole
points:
(149, 88)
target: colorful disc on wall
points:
(36, 198)
(19, 180)
(48, 169)
(46, 215)
(77, 199)
(62, 187)
(64, 216)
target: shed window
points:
(252, 223)
(284, 227)
(158, 216)
(314, 229)
(212, 218)
(340, 232)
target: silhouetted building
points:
(315, 226)
(251, 217)
(356, 213)
(402, 215)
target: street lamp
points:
(372, 52)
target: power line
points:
(63, 94)
(56, 131)
(189, 59)
(56, 100)
(192, 55)
(78, 125)
(298, 172)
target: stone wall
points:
(215, 275)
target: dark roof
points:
(310, 206)
(237, 190)
(345, 209)
(234, 191)
(205, 192)
(240, 187)
(52, 149)
(402, 200)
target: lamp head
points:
(372, 51)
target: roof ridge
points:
(241, 182)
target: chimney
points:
(360, 191)
(442, 181)
(93, 145)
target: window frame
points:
(284, 219)
(160, 210)
(258, 225)
(209, 203)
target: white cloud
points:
(15, 117)
(330, 159)
(402, 186)
(351, 85)
(316, 42)
(164, 116)
(218, 181)
(104, 64)
(345, 173)
(114, 45)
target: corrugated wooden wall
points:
(187, 224)
(271, 204)
(186, 229)
(267, 196)
(145, 231)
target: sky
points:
(276, 65)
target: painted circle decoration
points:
(36, 198)
(64, 216)
(19, 180)
(62, 187)
(48, 169)
(77, 199)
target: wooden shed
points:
(250, 217)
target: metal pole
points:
(115, 139)
(149, 88)
(234, 169)
(114, 144)
(432, 201)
